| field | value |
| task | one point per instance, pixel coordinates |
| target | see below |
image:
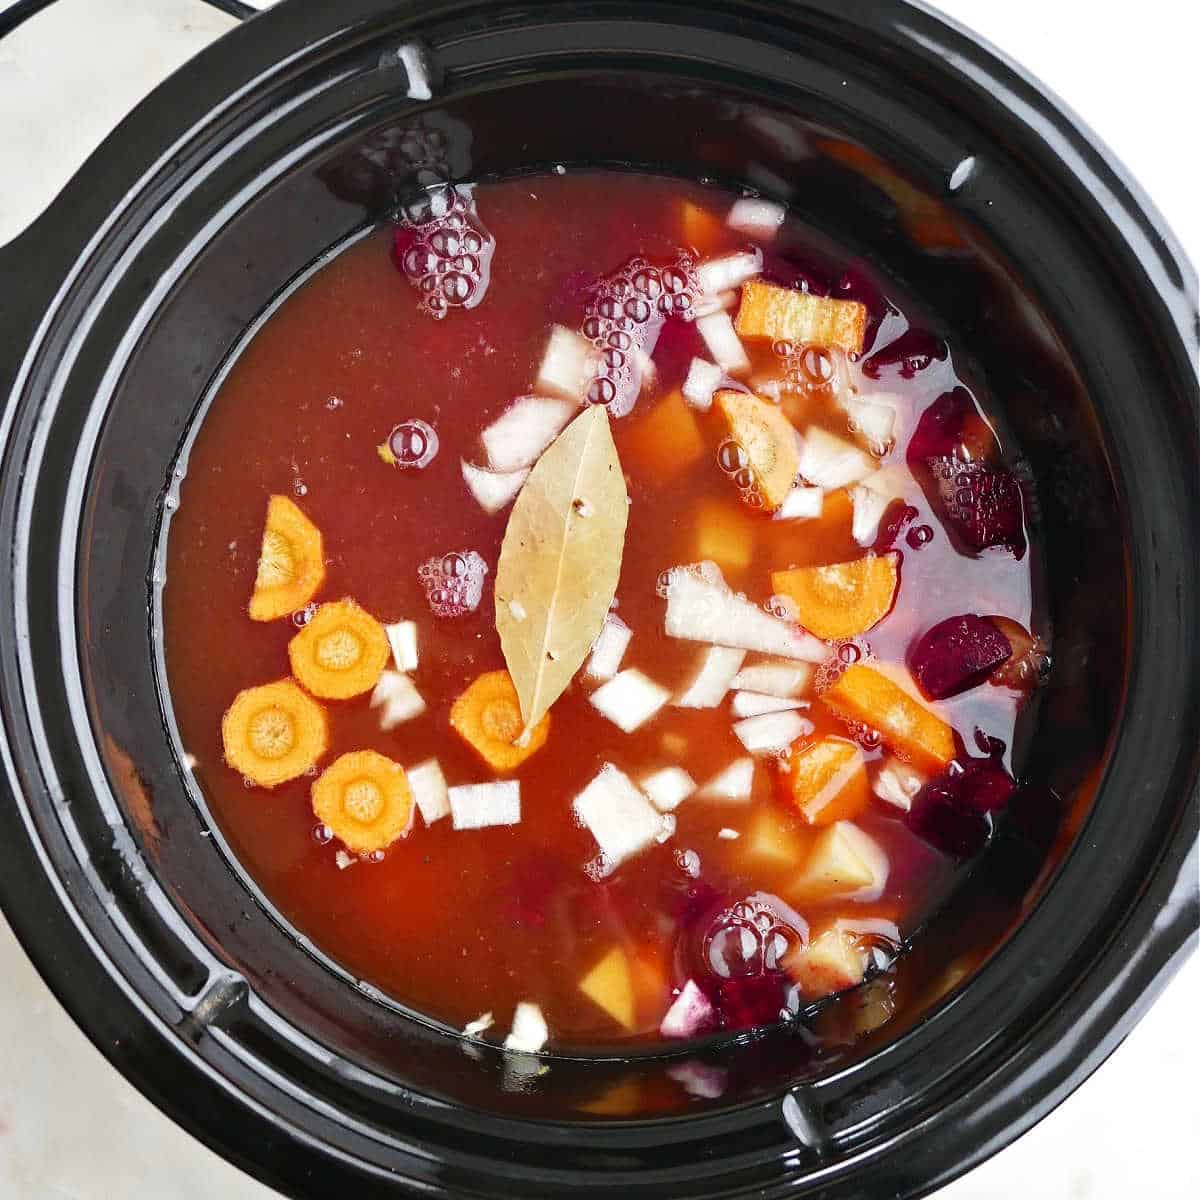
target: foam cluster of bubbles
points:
(624, 315)
(733, 461)
(443, 249)
(752, 937)
(453, 582)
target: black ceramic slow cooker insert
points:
(121, 305)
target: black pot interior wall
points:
(273, 222)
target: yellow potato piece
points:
(610, 985)
(273, 733)
(291, 562)
(365, 799)
(341, 652)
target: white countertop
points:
(71, 1127)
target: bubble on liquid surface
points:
(453, 582)
(413, 444)
(918, 536)
(731, 458)
(302, 616)
(751, 937)
(322, 835)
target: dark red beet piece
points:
(912, 351)
(955, 812)
(983, 504)
(956, 654)
(951, 427)
(896, 517)
(751, 1000)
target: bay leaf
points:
(560, 561)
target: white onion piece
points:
(772, 733)
(493, 490)
(871, 853)
(897, 783)
(702, 608)
(758, 218)
(429, 790)
(874, 421)
(801, 504)
(756, 704)
(723, 342)
(700, 1079)
(721, 302)
(707, 687)
(529, 1032)
(691, 1013)
(481, 1024)
(398, 698)
(517, 438)
(728, 271)
(620, 818)
(402, 637)
(629, 699)
(869, 507)
(668, 788)
(785, 679)
(481, 805)
(733, 785)
(609, 648)
(703, 379)
(728, 835)
(832, 462)
(568, 365)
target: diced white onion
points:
(398, 698)
(568, 365)
(733, 785)
(772, 733)
(668, 788)
(784, 679)
(493, 490)
(759, 218)
(755, 704)
(801, 504)
(629, 699)
(609, 648)
(529, 1033)
(402, 637)
(832, 462)
(869, 507)
(429, 790)
(480, 1025)
(897, 783)
(619, 817)
(702, 608)
(700, 1079)
(728, 835)
(723, 342)
(344, 860)
(728, 271)
(707, 687)
(874, 420)
(703, 379)
(480, 805)
(517, 438)
(721, 302)
(691, 1013)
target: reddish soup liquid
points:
(458, 923)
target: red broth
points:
(454, 924)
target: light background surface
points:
(71, 1127)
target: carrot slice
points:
(768, 441)
(488, 717)
(341, 652)
(841, 600)
(273, 733)
(827, 781)
(365, 799)
(667, 440)
(780, 314)
(702, 230)
(907, 726)
(291, 562)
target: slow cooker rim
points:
(47, 944)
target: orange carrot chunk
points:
(365, 799)
(910, 729)
(779, 314)
(702, 229)
(841, 600)
(273, 733)
(487, 716)
(667, 440)
(827, 781)
(291, 562)
(341, 652)
(768, 442)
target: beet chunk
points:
(912, 351)
(983, 504)
(951, 427)
(956, 654)
(751, 1000)
(955, 812)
